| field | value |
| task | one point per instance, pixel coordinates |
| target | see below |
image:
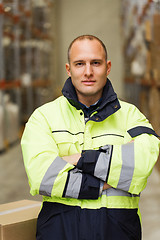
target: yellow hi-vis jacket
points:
(117, 143)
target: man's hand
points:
(72, 159)
(106, 186)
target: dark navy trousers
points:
(61, 222)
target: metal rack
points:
(26, 48)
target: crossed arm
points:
(52, 175)
(125, 167)
(73, 159)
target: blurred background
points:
(34, 37)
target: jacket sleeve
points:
(126, 166)
(47, 172)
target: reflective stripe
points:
(50, 176)
(102, 165)
(127, 167)
(74, 184)
(117, 192)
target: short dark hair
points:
(89, 37)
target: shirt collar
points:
(88, 110)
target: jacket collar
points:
(107, 107)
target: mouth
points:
(88, 82)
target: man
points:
(88, 154)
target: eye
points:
(79, 64)
(96, 63)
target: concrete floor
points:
(14, 186)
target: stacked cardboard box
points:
(154, 108)
(156, 27)
(18, 220)
(155, 62)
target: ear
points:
(108, 67)
(68, 69)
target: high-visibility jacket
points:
(118, 146)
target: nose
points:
(88, 72)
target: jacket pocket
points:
(68, 143)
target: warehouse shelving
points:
(26, 47)
(141, 31)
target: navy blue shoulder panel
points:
(140, 130)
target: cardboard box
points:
(148, 30)
(18, 220)
(156, 26)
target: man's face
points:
(88, 70)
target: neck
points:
(89, 100)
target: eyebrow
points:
(97, 60)
(78, 61)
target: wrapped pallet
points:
(11, 121)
